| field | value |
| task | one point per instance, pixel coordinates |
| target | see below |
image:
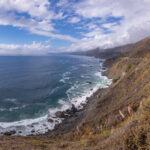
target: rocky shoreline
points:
(115, 118)
(72, 117)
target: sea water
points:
(34, 88)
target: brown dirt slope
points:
(119, 118)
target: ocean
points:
(34, 88)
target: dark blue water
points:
(33, 88)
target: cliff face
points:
(123, 111)
(118, 118)
(126, 104)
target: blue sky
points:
(37, 27)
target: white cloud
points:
(95, 8)
(62, 3)
(134, 26)
(33, 15)
(34, 8)
(108, 25)
(74, 20)
(26, 49)
(89, 16)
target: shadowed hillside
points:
(106, 53)
(117, 119)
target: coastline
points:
(114, 118)
(72, 116)
(71, 122)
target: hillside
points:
(118, 117)
(106, 53)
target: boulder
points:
(60, 114)
(9, 133)
(83, 104)
(50, 120)
(33, 131)
(73, 109)
(68, 111)
(89, 82)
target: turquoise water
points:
(32, 89)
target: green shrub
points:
(129, 67)
(116, 79)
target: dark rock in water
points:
(74, 109)
(32, 131)
(60, 114)
(91, 89)
(87, 98)
(103, 68)
(9, 133)
(71, 111)
(50, 120)
(83, 104)
(89, 82)
(57, 121)
(20, 132)
(68, 111)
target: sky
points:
(40, 27)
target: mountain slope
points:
(106, 53)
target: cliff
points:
(118, 118)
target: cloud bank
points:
(116, 22)
(35, 16)
(96, 23)
(26, 49)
